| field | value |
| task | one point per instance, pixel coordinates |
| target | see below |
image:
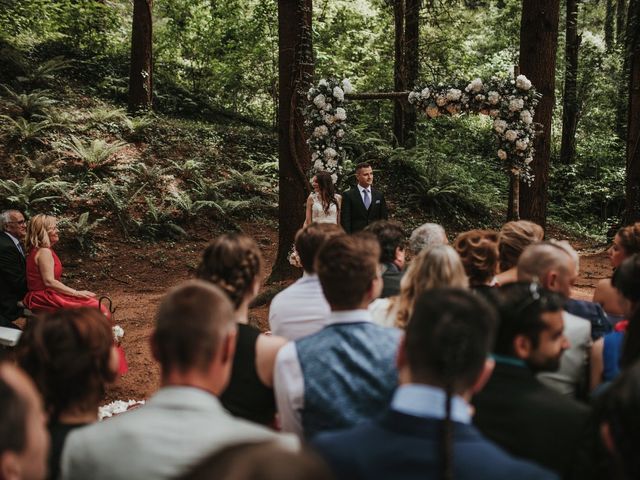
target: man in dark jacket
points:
(13, 284)
(361, 204)
(392, 242)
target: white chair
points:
(9, 336)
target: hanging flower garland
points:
(326, 120)
(511, 103)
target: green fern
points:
(158, 223)
(28, 104)
(82, 231)
(22, 131)
(44, 72)
(29, 192)
(97, 156)
(188, 208)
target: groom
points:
(361, 204)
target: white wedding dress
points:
(319, 215)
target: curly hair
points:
(478, 251)
(630, 238)
(67, 353)
(513, 238)
(37, 231)
(232, 262)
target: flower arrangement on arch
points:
(326, 121)
(510, 102)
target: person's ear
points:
(607, 437)
(228, 348)
(522, 347)
(551, 280)
(114, 362)
(9, 466)
(484, 376)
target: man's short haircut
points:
(309, 240)
(449, 337)
(346, 265)
(513, 238)
(538, 259)
(13, 419)
(192, 321)
(426, 235)
(5, 218)
(520, 307)
(390, 236)
(362, 165)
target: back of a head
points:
(449, 337)
(260, 461)
(630, 238)
(540, 258)
(191, 323)
(67, 353)
(520, 307)
(626, 278)
(390, 237)
(346, 265)
(232, 262)
(37, 231)
(513, 238)
(13, 420)
(309, 240)
(478, 251)
(427, 235)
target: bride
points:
(323, 204)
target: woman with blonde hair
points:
(513, 238)
(435, 267)
(46, 293)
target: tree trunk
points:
(538, 46)
(570, 107)
(412, 60)
(609, 25)
(399, 71)
(632, 207)
(620, 22)
(296, 65)
(141, 70)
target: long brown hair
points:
(327, 190)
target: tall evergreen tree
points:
(570, 106)
(632, 211)
(141, 68)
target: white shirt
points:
(300, 309)
(16, 242)
(426, 401)
(288, 381)
(380, 313)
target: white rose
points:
(441, 101)
(499, 125)
(494, 98)
(333, 163)
(475, 86)
(314, 156)
(346, 86)
(318, 165)
(319, 101)
(334, 177)
(511, 135)
(341, 114)
(453, 95)
(432, 111)
(329, 119)
(425, 92)
(502, 155)
(414, 97)
(317, 132)
(523, 83)
(526, 117)
(516, 104)
(528, 160)
(329, 153)
(522, 144)
(338, 93)
(480, 98)
(340, 133)
(327, 107)
(323, 83)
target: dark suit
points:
(405, 447)
(531, 421)
(354, 216)
(13, 283)
(391, 278)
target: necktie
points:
(20, 249)
(366, 199)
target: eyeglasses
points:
(19, 222)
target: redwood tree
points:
(296, 65)
(570, 106)
(632, 211)
(141, 68)
(538, 46)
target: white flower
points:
(453, 95)
(323, 83)
(494, 98)
(526, 117)
(329, 153)
(516, 104)
(480, 98)
(475, 86)
(318, 165)
(320, 131)
(425, 92)
(341, 114)
(414, 97)
(441, 101)
(511, 135)
(528, 160)
(118, 332)
(333, 163)
(338, 94)
(319, 101)
(432, 111)
(502, 155)
(346, 86)
(522, 144)
(328, 107)
(499, 125)
(523, 83)
(340, 133)
(334, 177)
(329, 119)
(494, 113)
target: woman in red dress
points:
(46, 292)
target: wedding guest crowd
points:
(477, 365)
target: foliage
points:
(43, 73)
(23, 131)
(28, 104)
(82, 231)
(97, 156)
(159, 224)
(29, 193)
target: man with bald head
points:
(24, 441)
(552, 265)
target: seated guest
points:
(13, 282)
(478, 250)
(233, 262)
(260, 461)
(71, 356)
(301, 309)
(425, 236)
(620, 349)
(392, 246)
(550, 265)
(345, 373)
(514, 409)
(427, 431)
(513, 238)
(24, 442)
(44, 270)
(620, 424)
(435, 267)
(194, 341)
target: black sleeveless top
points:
(246, 396)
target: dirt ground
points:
(136, 275)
